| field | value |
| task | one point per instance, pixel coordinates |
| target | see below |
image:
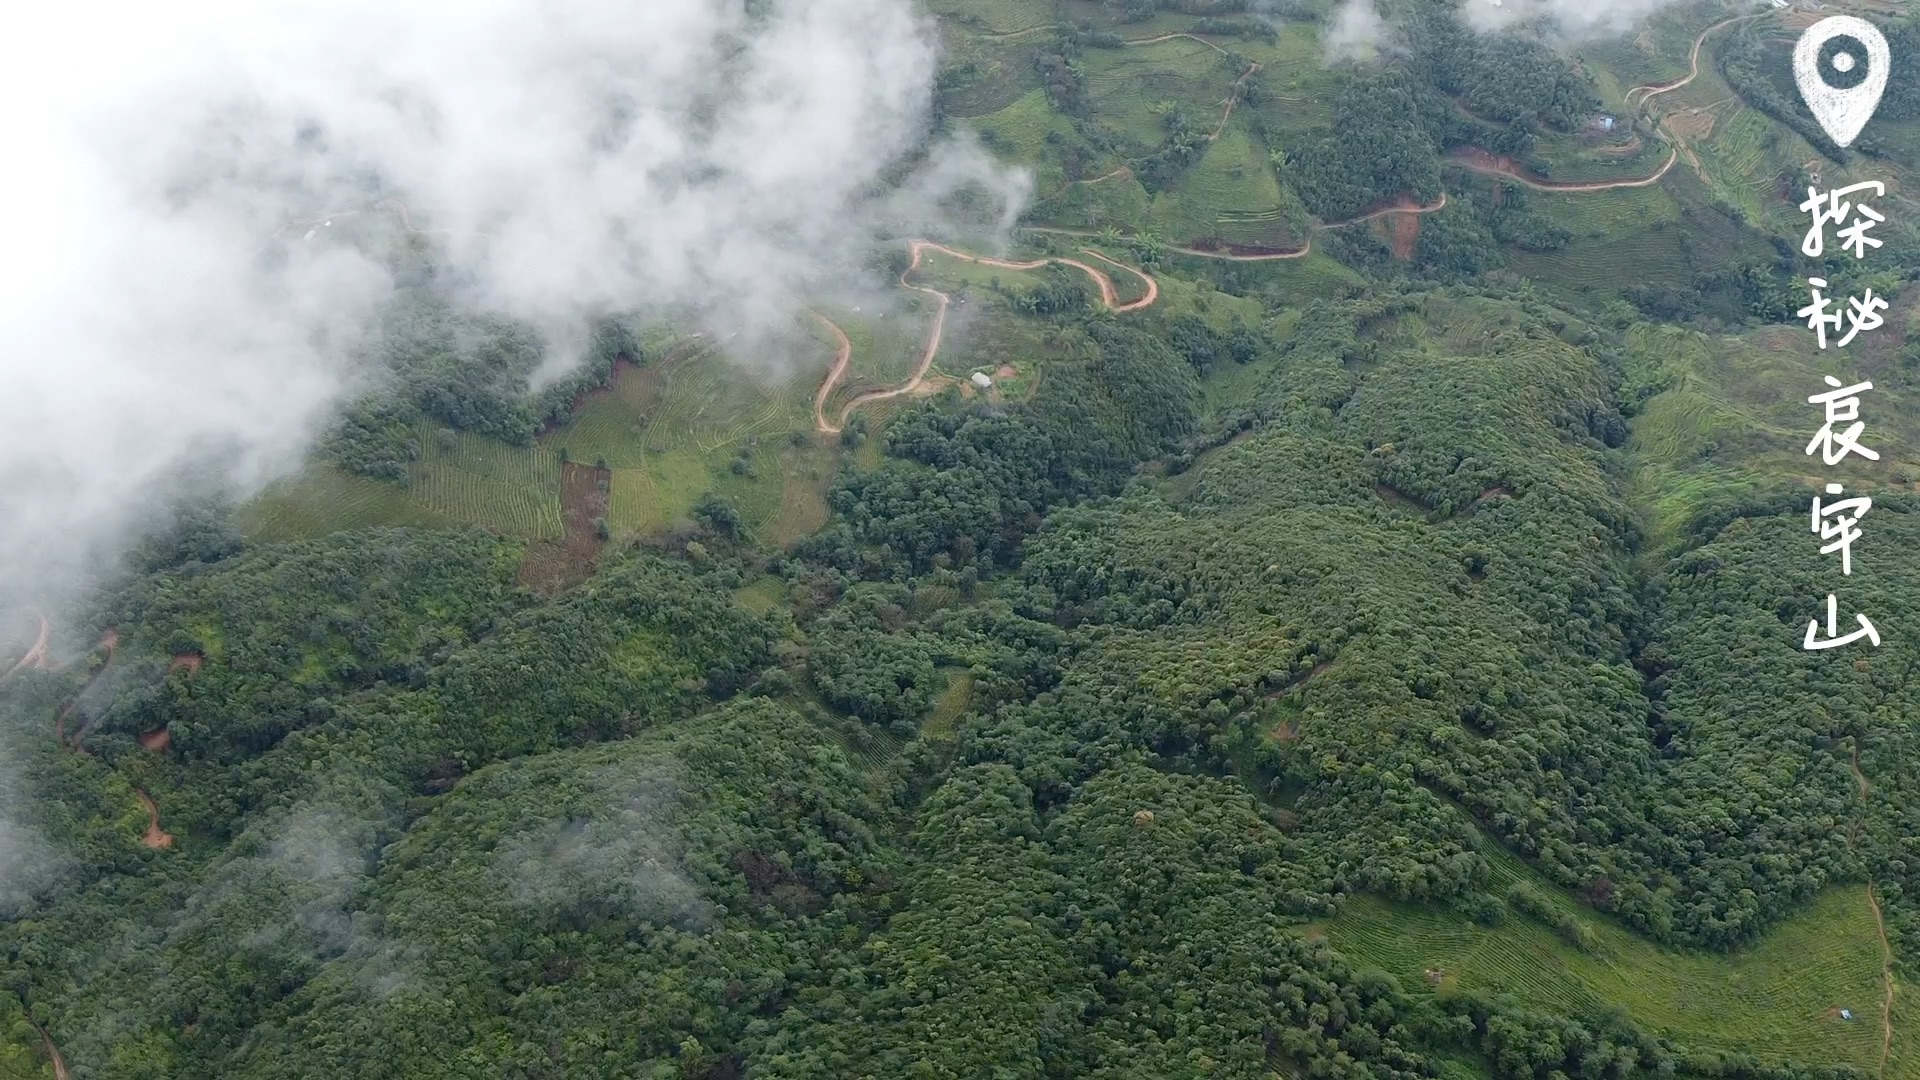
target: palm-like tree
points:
(1147, 247)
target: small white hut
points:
(981, 380)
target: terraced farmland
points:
(509, 489)
(1738, 166)
(322, 499)
(1230, 194)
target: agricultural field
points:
(1230, 194)
(1622, 236)
(1730, 414)
(696, 421)
(1020, 132)
(668, 432)
(513, 490)
(321, 499)
(1133, 88)
(994, 18)
(1779, 999)
(887, 343)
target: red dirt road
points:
(1109, 296)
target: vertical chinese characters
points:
(1837, 522)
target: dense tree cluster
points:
(1045, 756)
(1455, 87)
(463, 372)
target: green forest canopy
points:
(1239, 700)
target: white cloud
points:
(1355, 31)
(577, 158)
(1574, 19)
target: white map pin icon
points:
(1842, 111)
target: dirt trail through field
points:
(1122, 171)
(35, 657)
(842, 358)
(1476, 160)
(1879, 919)
(1265, 256)
(1009, 35)
(1109, 296)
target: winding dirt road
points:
(843, 357)
(1651, 90)
(1109, 296)
(1479, 161)
(1114, 175)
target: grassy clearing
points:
(1657, 55)
(1730, 414)
(806, 474)
(1295, 82)
(1315, 274)
(1620, 237)
(673, 431)
(985, 75)
(1778, 999)
(1130, 87)
(1582, 157)
(1119, 201)
(762, 594)
(1230, 194)
(1019, 132)
(668, 433)
(949, 707)
(982, 340)
(993, 16)
(887, 344)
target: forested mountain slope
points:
(1322, 647)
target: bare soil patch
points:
(155, 837)
(1403, 235)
